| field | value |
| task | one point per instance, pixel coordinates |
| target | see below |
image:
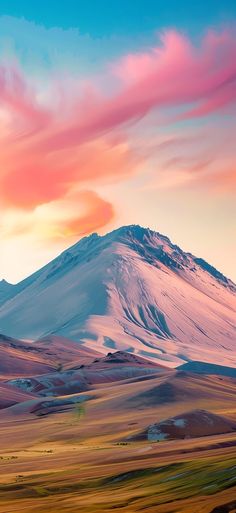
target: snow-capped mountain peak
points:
(130, 290)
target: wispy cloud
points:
(63, 141)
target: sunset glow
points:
(158, 121)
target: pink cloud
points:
(34, 178)
(76, 138)
(20, 100)
(173, 74)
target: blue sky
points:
(105, 17)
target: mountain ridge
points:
(132, 290)
(120, 232)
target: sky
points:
(113, 113)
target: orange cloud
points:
(75, 216)
(34, 178)
(223, 181)
(98, 214)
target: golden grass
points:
(84, 463)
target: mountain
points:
(24, 358)
(6, 290)
(130, 290)
(112, 368)
(18, 358)
(190, 425)
(208, 368)
(183, 389)
(9, 396)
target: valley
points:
(87, 455)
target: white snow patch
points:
(180, 423)
(155, 434)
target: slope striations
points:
(130, 290)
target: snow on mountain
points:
(130, 290)
(5, 290)
(190, 425)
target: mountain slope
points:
(18, 358)
(6, 290)
(208, 368)
(130, 290)
(190, 425)
(26, 358)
